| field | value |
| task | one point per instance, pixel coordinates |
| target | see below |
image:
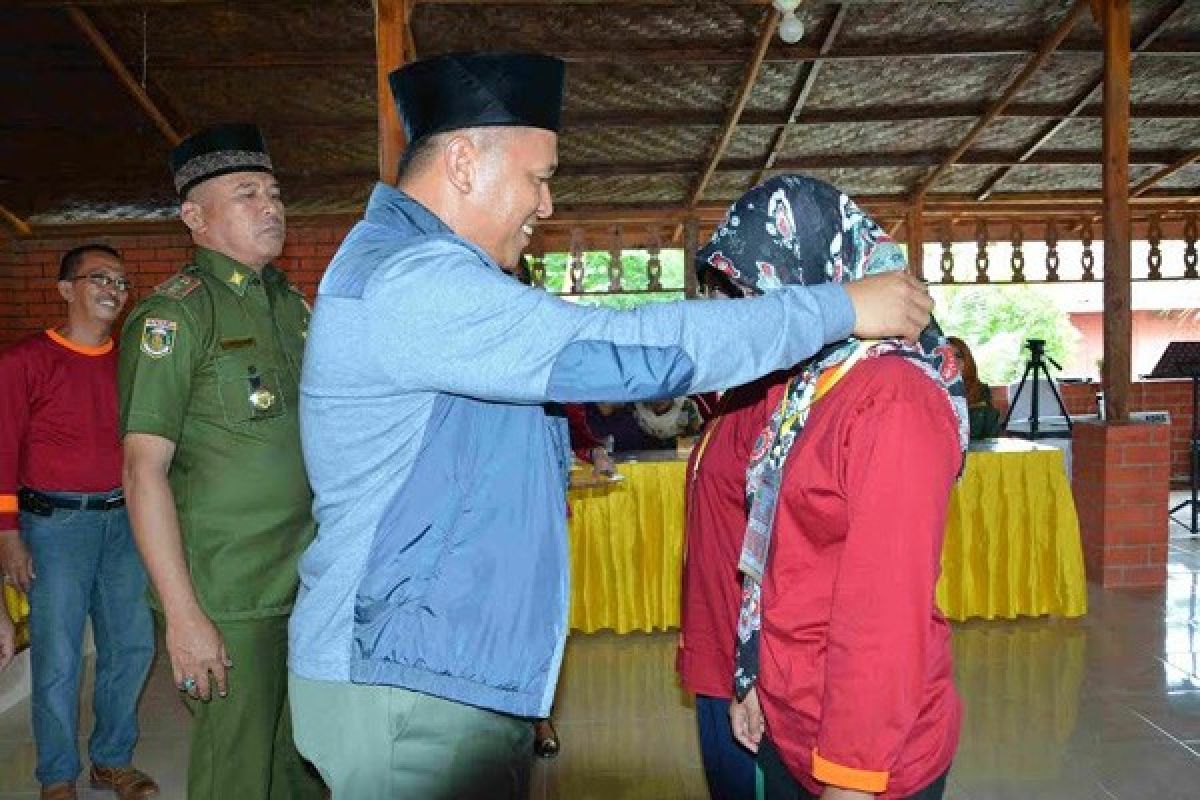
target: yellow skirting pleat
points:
(627, 550)
(1012, 544)
(1012, 540)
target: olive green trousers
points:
(386, 743)
(242, 743)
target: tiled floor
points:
(1100, 708)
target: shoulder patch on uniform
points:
(178, 286)
(158, 337)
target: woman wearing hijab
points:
(842, 658)
(985, 419)
(712, 585)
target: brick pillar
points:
(1121, 482)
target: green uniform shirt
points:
(211, 361)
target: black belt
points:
(44, 504)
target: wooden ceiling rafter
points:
(1044, 52)
(15, 223)
(573, 120)
(1182, 163)
(113, 61)
(898, 160)
(805, 83)
(15, 122)
(673, 54)
(770, 24)
(1080, 101)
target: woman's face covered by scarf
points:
(797, 230)
(793, 229)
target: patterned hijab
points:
(790, 230)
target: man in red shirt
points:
(64, 533)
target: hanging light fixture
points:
(791, 29)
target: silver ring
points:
(189, 683)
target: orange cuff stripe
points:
(8, 503)
(847, 777)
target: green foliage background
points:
(635, 277)
(995, 321)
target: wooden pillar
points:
(691, 244)
(391, 33)
(1118, 289)
(915, 233)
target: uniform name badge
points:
(158, 337)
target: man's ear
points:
(192, 214)
(67, 290)
(459, 158)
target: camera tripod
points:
(1036, 369)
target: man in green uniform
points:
(214, 478)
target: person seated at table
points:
(585, 445)
(985, 419)
(643, 426)
(842, 662)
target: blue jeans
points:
(728, 767)
(85, 563)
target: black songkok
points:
(218, 150)
(477, 90)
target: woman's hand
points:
(747, 720)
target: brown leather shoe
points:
(58, 791)
(127, 782)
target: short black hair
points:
(69, 265)
(417, 154)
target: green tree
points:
(996, 321)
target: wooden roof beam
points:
(17, 121)
(393, 46)
(1080, 101)
(1044, 52)
(990, 158)
(833, 116)
(85, 25)
(1143, 186)
(680, 54)
(769, 26)
(17, 225)
(804, 88)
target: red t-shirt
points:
(855, 665)
(716, 524)
(58, 419)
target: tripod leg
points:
(1058, 397)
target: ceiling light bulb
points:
(791, 29)
(785, 6)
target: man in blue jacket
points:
(433, 603)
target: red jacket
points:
(716, 523)
(856, 677)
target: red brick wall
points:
(29, 300)
(1174, 397)
(1120, 488)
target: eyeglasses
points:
(102, 281)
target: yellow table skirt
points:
(1012, 538)
(1012, 543)
(627, 549)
